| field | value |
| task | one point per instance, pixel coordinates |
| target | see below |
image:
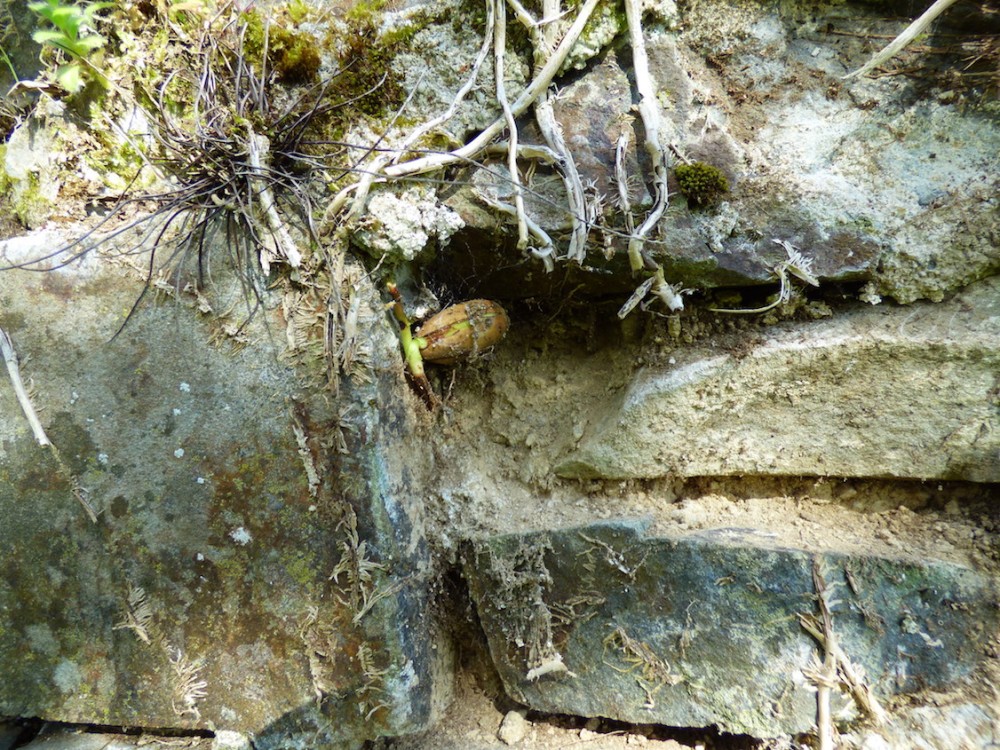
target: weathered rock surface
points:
(9, 734)
(692, 630)
(958, 725)
(877, 392)
(75, 740)
(254, 565)
(259, 566)
(870, 179)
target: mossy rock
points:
(701, 183)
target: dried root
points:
(836, 669)
(797, 265)
(654, 673)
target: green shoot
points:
(6, 61)
(73, 34)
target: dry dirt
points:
(508, 419)
(474, 722)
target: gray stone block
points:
(704, 629)
(204, 596)
(875, 392)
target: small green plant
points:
(73, 34)
(291, 55)
(236, 165)
(297, 10)
(7, 63)
(701, 183)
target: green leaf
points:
(69, 77)
(90, 42)
(67, 18)
(90, 12)
(44, 36)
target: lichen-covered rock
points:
(869, 180)
(876, 392)
(400, 227)
(255, 561)
(698, 629)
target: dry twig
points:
(836, 669)
(910, 33)
(10, 358)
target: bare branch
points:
(10, 357)
(910, 33)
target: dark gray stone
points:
(703, 629)
(10, 733)
(204, 596)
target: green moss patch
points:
(291, 54)
(702, 184)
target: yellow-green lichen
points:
(302, 569)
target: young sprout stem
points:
(411, 349)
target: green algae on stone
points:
(368, 82)
(212, 517)
(703, 628)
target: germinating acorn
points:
(462, 331)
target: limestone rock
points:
(513, 728)
(704, 628)
(960, 725)
(877, 392)
(254, 563)
(870, 181)
(76, 740)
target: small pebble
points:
(513, 728)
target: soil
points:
(474, 723)
(508, 419)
